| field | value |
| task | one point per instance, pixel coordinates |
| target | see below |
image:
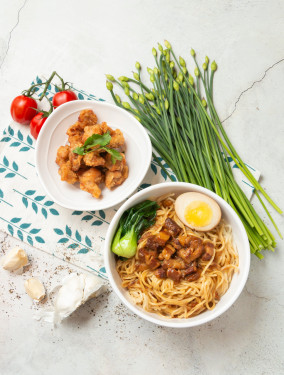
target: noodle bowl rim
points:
(156, 191)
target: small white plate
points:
(53, 134)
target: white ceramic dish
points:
(240, 238)
(53, 134)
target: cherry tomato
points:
(22, 109)
(36, 124)
(63, 97)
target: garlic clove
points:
(35, 289)
(15, 259)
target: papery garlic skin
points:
(69, 296)
(35, 289)
(73, 292)
(15, 259)
(92, 287)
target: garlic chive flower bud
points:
(123, 79)
(167, 44)
(135, 96)
(164, 52)
(196, 72)
(135, 110)
(110, 77)
(141, 99)
(172, 64)
(204, 103)
(109, 85)
(154, 51)
(192, 52)
(149, 96)
(184, 70)
(126, 90)
(136, 76)
(207, 59)
(214, 66)
(182, 62)
(138, 118)
(174, 74)
(126, 105)
(156, 71)
(160, 47)
(191, 80)
(176, 86)
(166, 104)
(137, 65)
(158, 110)
(149, 70)
(204, 66)
(180, 76)
(124, 84)
(117, 98)
(168, 57)
(184, 84)
(152, 78)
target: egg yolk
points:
(198, 213)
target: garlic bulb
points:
(35, 289)
(74, 291)
(15, 259)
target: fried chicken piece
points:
(117, 166)
(94, 159)
(75, 130)
(75, 140)
(87, 117)
(62, 154)
(90, 130)
(67, 174)
(105, 128)
(117, 140)
(75, 160)
(96, 129)
(89, 180)
(116, 178)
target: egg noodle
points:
(186, 298)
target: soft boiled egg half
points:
(198, 211)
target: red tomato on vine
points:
(62, 97)
(37, 123)
(23, 109)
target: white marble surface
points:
(82, 40)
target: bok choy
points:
(131, 225)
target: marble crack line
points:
(251, 86)
(262, 297)
(10, 34)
